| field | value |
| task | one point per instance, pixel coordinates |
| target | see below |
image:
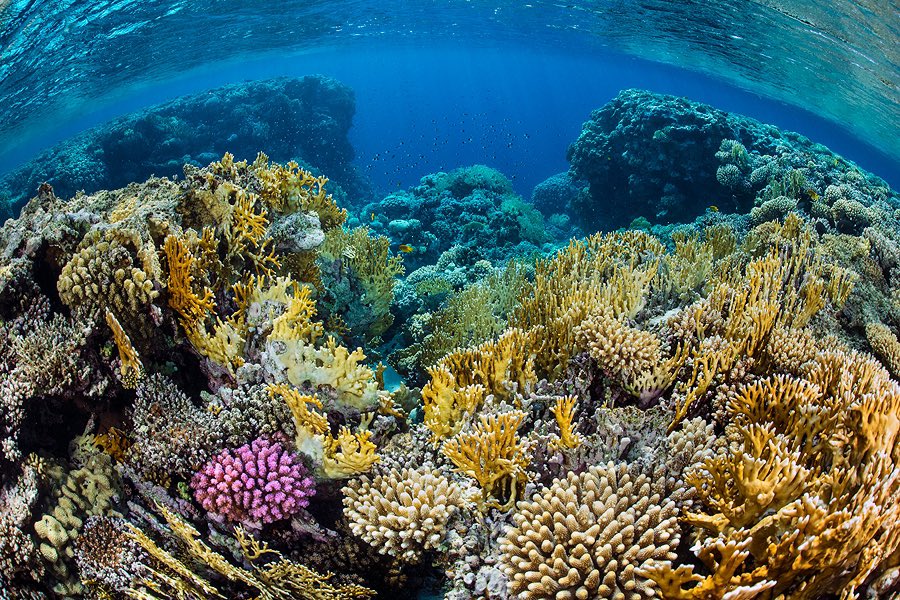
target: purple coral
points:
(258, 483)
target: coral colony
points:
(192, 379)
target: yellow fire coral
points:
(348, 454)
(329, 365)
(166, 576)
(503, 367)
(288, 189)
(493, 455)
(806, 487)
(446, 406)
(604, 274)
(564, 411)
(130, 366)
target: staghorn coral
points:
(403, 513)
(258, 483)
(587, 535)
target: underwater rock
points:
(304, 119)
(667, 158)
(555, 194)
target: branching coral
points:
(369, 262)
(171, 435)
(348, 454)
(587, 536)
(503, 368)
(90, 490)
(604, 274)
(403, 513)
(885, 345)
(257, 483)
(130, 367)
(106, 272)
(564, 411)
(804, 488)
(166, 576)
(493, 455)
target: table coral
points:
(258, 483)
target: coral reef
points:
(193, 405)
(666, 159)
(305, 119)
(473, 208)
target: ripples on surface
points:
(838, 59)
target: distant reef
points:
(666, 159)
(304, 119)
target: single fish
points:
(406, 248)
(813, 194)
(713, 208)
(372, 217)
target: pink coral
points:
(257, 483)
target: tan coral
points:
(885, 346)
(403, 513)
(104, 272)
(586, 536)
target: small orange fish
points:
(372, 217)
(406, 248)
(713, 208)
(813, 194)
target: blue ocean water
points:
(441, 85)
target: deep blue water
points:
(512, 107)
